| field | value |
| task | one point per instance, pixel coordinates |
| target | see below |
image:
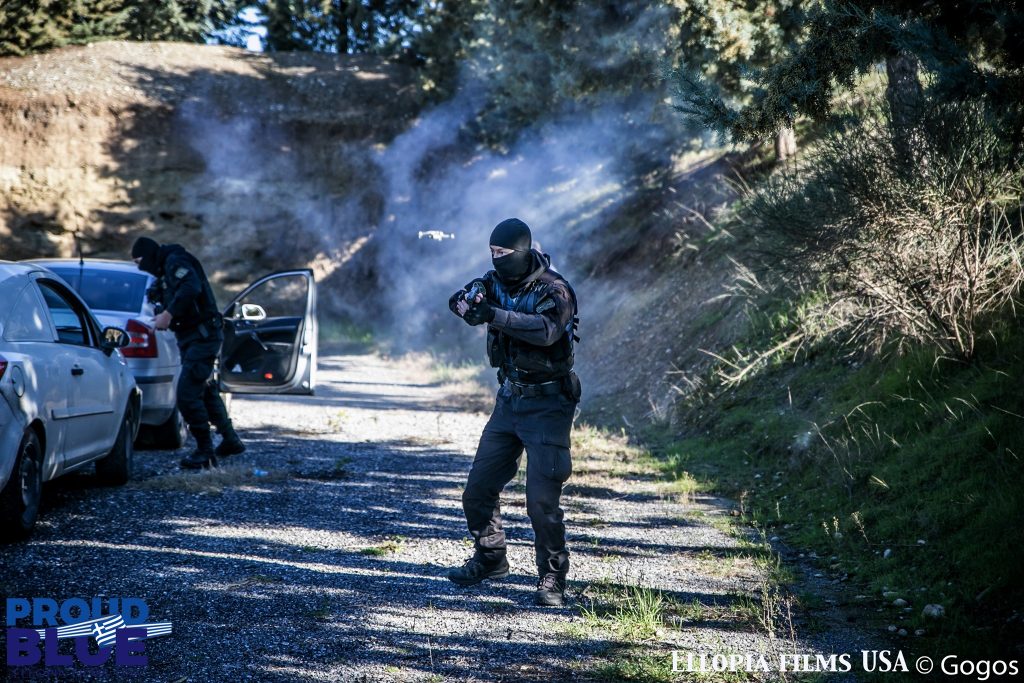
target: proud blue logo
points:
(97, 631)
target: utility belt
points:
(568, 385)
(206, 329)
(534, 390)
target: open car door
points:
(270, 336)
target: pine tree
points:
(342, 26)
(541, 57)
(444, 43)
(971, 49)
(96, 20)
(295, 24)
(723, 41)
(28, 26)
(378, 26)
(182, 20)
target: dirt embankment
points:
(214, 147)
(261, 162)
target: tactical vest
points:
(527, 363)
(205, 312)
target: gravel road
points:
(320, 553)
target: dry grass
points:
(420, 441)
(469, 396)
(468, 386)
(926, 253)
(723, 567)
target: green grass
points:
(345, 333)
(634, 613)
(634, 616)
(637, 664)
(391, 546)
(851, 458)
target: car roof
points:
(93, 263)
(9, 269)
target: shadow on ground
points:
(287, 575)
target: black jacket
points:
(185, 291)
(531, 337)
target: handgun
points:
(475, 288)
(155, 296)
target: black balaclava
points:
(148, 249)
(512, 234)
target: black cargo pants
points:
(541, 424)
(199, 400)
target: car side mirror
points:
(253, 312)
(114, 338)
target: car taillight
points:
(142, 340)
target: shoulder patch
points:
(181, 272)
(545, 305)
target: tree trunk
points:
(785, 144)
(340, 18)
(903, 93)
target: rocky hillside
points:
(214, 147)
(261, 162)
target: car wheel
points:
(115, 468)
(171, 434)
(19, 501)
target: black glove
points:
(480, 313)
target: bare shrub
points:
(926, 251)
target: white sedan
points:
(270, 336)
(115, 292)
(67, 397)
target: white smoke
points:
(563, 178)
(354, 212)
(272, 200)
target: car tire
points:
(115, 468)
(169, 435)
(19, 501)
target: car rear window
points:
(107, 290)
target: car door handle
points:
(77, 371)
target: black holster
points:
(572, 387)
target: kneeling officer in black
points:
(530, 312)
(191, 311)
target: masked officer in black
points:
(530, 312)
(188, 308)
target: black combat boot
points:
(474, 571)
(203, 456)
(229, 444)
(550, 591)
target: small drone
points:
(436, 235)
